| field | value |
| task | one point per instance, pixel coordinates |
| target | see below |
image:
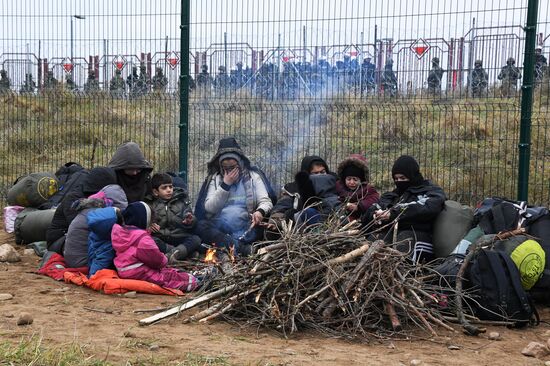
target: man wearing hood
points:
(132, 171)
(233, 201)
(415, 203)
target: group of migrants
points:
(123, 218)
(292, 79)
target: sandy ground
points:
(60, 317)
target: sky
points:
(43, 29)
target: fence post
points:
(184, 90)
(527, 100)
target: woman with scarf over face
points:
(233, 200)
(415, 202)
(132, 171)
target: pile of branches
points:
(328, 278)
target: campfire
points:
(330, 279)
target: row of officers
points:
(290, 80)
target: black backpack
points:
(496, 290)
(70, 177)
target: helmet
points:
(511, 61)
(221, 68)
(118, 71)
(478, 63)
(435, 60)
(3, 72)
(204, 67)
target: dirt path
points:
(60, 317)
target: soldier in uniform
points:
(70, 85)
(5, 82)
(116, 85)
(143, 82)
(29, 86)
(478, 80)
(221, 83)
(132, 82)
(204, 80)
(237, 77)
(509, 75)
(434, 78)
(540, 65)
(50, 82)
(367, 74)
(389, 80)
(91, 85)
(159, 81)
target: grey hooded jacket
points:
(76, 243)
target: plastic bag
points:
(10, 213)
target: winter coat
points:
(170, 214)
(138, 257)
(290, 201)
(76, 243)
(257, 198)
(130, 156)
(65, 213)
(214, 193)
(100, 249)
(365, 195)
(418, 206)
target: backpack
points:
(497, 293)
(32, 190)
(69, 176)
(450, 226)
(498, 214)
(540, 229)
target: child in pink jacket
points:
(137, 255)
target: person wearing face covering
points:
(132, 171)
(233, 201)
(415, 202)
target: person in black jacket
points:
(94, 181)
(415, 203)
(132, 171)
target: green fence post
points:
(527, 100)
(184, 91)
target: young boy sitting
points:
(174, 221)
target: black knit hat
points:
(98, 178)
(137, 214)
(409, 167)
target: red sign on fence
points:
(119, 62)
(172, 60)
(67, 65)
(420, 47)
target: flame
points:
(232, 253)
(210, 256)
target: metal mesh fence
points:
(287, 78)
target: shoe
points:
(173, 257)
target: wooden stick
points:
(271, 248)
(187, 305)
(338, 260)
(155, 310)
(395, 323)
(215, 315)
(439, 322)
(313, 295)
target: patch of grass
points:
(469, 146)
(31, 350)
(193, 359)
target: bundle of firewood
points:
(328, 278)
